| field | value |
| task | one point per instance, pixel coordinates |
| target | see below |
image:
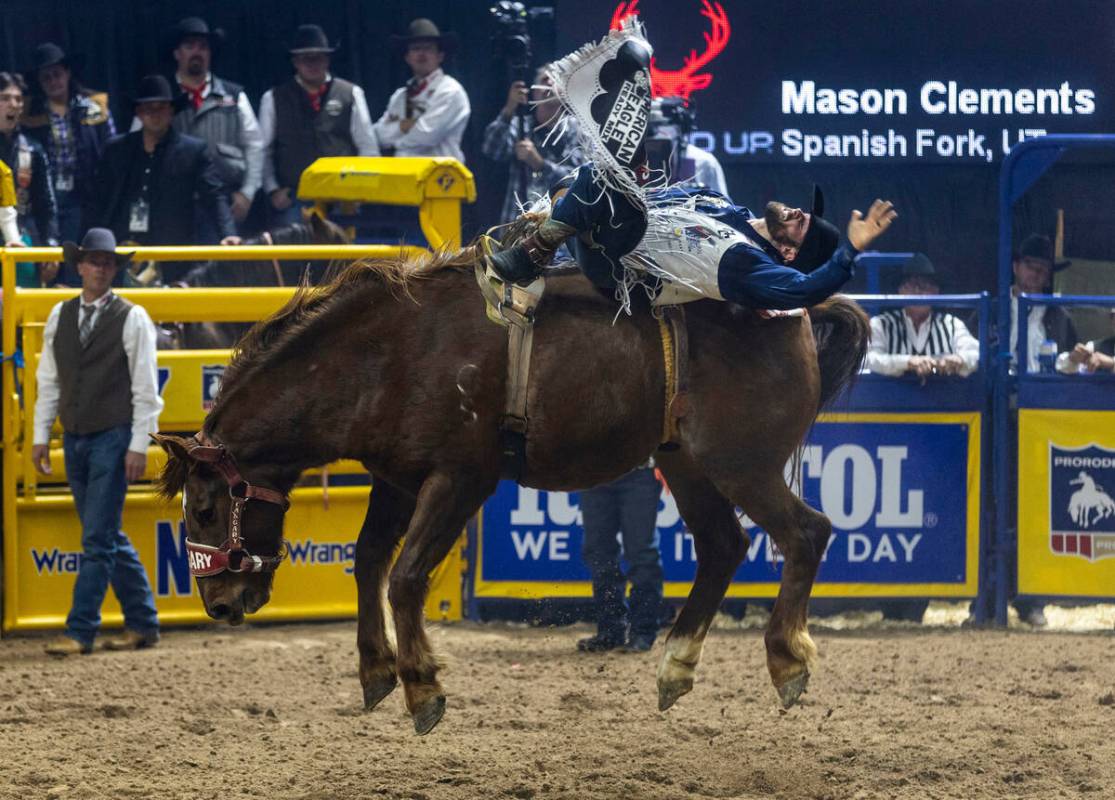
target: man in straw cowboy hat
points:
(311, 116)
(427, 116)
(97, 373)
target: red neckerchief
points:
(415, 89)
(195, 95)
(315, 96)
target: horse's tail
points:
(842, 330)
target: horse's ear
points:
(175, 446)
(318, 224)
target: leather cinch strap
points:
(515, 306)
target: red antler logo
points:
(683, 82)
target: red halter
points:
(206, 560)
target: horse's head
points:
(314, 229)
(234, 528)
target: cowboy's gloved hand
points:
(863, 230)
(231, 241)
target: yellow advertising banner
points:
(1066, 510)
(315, 582)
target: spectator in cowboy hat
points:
(310, 116)
(217, 111)
(97, 372)
(915, 339)
(73, 124)
(427, 116)
(148, 179)
(1034, 264)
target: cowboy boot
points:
(524, 261)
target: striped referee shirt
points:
(894, 340)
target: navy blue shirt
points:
(757, 276)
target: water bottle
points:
(1047, 357)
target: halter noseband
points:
(206, 560)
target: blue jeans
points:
(95, 468)
(627, 506)
(614, 224)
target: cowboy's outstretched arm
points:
(750, 277)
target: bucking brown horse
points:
(396, 365)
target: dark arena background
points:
(955, 499)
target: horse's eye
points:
(205, 516)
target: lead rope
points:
(266, 236)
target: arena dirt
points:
(900, 712)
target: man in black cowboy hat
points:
(73, 124)
(311, 116)
(147, 181)
(917, 340)
(427, 116)
(97, 372)
(217, 111)
(1034, 264)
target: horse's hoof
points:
(791, 691)
(378, 689)
(670, 691)
(429, 714)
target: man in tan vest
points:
(97, 372)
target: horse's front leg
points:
(445, 503)
(802, 535)
(721, 544)
(389, 513)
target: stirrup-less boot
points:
(524, 261)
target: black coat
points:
(186, 172)
(38, 213)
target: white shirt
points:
(890, 351)
(1035, 334)
(442, 115)
(9, 225)
(251, 140)
(139, 345)
(360, 129)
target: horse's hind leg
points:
(389, 513)
(802, 535)
(721, 544)
(445, 503)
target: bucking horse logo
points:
(1089, 500)
(1081, 512)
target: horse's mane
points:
(310, 304)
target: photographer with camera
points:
(671, 121)
(539, 153)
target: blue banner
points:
(903, 498)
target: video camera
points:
(511, 39)
(671, 121)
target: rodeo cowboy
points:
(680, 244)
